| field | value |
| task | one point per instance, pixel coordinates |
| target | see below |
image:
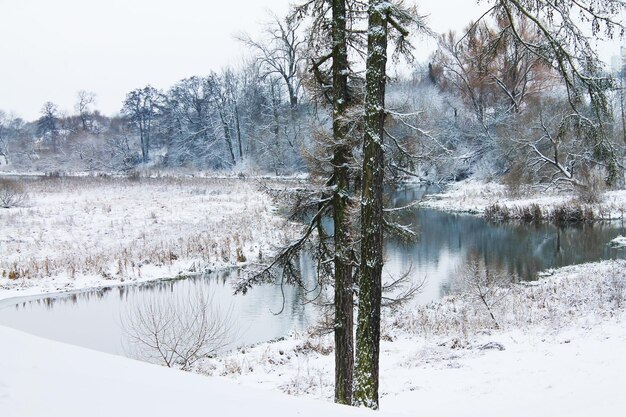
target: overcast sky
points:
(51, 49)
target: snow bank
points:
(39, 377)
(618, 242)
(472, 196)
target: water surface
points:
(446, 243)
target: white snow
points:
(618, 242)
(39, 377)
(560, 353)
(75, 233)
(473, 196)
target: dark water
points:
(446, 243)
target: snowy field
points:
(74, 233)
(472, 196)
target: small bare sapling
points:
(176, 330)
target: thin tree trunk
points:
(227, 137)
(293, 96)
(238, 126)
(370, 282)
(278, 161)
(142, 137)
(344, 307)
(147, 134)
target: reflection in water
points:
(446, 243)
(93, 318)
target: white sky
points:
(51, 49)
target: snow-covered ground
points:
(472, 196)
(558, 351)
(74, 233)
(42, 378)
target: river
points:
(446, 243)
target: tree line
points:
(490, 101)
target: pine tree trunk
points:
(344, 340)
(370, 281)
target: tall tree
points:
(48, 124)
(333, 41)
(381, 15)
(190, 124)
(331, 35)
(344, 302)
(223, 106)
(370, 280)
(232, 89)
(142, 107)
(4, 149)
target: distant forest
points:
(482, 105)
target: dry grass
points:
(124, 228)
(561, 214)
(565, 298)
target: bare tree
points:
(565, 46)
(280, 53)
(222, 104)
(176, 330)
(231, 83)
(191, 124)
(83, 107)
(4, 149)
(485, 286)
(11, 193)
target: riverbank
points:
(73, 233)
(555, 351)
(558, 351)
(476, 197)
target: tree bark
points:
(370, 281)
(344, 306)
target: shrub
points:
(133, 176)
(240, 256)
(11, 193)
